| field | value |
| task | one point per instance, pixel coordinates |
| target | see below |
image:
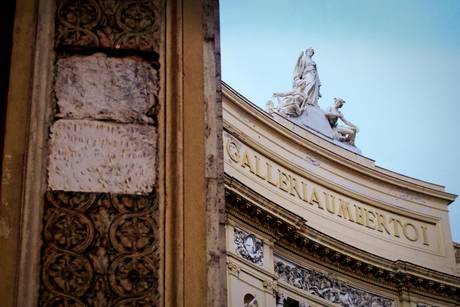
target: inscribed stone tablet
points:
(99, 87)
(94, 156)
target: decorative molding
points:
(99, 249)
(292, 233)
(270, 285)
(233, 268)
(110, 24)
(249, 247)
(312, 160)
(326, 287)
(457, 252)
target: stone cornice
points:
(291, 232)
(349, 160)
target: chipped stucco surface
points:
(107, 88)
(95, 156)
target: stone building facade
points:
(112, 179)
(311, 223)
(131, 176)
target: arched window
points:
(250, 301)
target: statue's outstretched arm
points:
(346, 122)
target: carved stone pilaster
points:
(99, 250)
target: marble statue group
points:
(303, 98)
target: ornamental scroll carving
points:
(99, 249)
(249, 247)
(327, 287)
(112, 24)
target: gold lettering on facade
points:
(410, 235)
(269, 174)
(293, 187)
(330, 202)
(344, 210)
(258, 168)
(370, 219)
(359, 213)
(232, 151)
(381, 221)
(396, 225)
(315, 199)
(300, 188)
(283, 181)
(304, 192)
(424, 235)
(245, 162)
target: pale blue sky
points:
(395, 62)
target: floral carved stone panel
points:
(249, 247)
(99, 250)
(326, 286)
(111, 24)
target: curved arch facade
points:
(310, 223)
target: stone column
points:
(192, 119)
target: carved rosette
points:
(326, 286)
(249, 247)
(99, 250)
(111, 24)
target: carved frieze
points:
(289, 233)
(124, 90)
(249, 247)
(99, 250)
(327, 287)
(95, 156)
(111, 24)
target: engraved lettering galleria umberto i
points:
(325, 200)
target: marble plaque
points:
(99, 87)
(94, 156)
